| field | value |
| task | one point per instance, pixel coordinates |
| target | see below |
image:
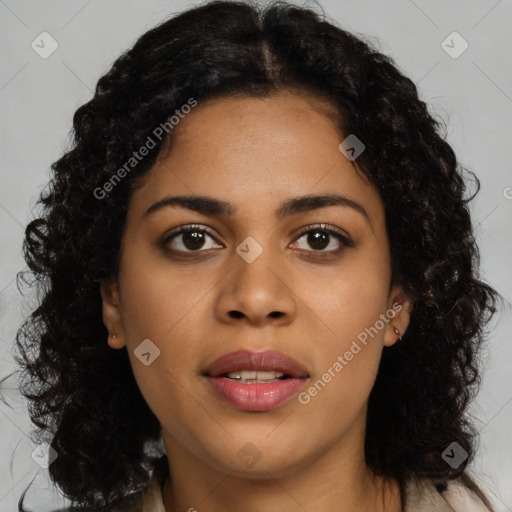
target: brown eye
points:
(193, 240)
(318, 240)
(320, 237)
(188, 239)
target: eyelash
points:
(323, 228)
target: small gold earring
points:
(113, 335)
(398, 333)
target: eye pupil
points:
(318, 237)
(193, 239)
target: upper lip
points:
(267, 360)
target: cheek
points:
(347, 358)
(350, 333)
(349, 302)
(359, 305)
(164, 314)
(157, 300)
(163, 307)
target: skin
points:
(255, 153)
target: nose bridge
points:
(257, 284)
(257, 264)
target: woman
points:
(258, 253)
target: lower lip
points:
(255, 397)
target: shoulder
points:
(137, 507)
(463, 499)
(423, 496)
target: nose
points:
(258, 292)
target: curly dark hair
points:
(83, 396)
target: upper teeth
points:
(254, 375)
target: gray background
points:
(473, 93)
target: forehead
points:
(257, 120)
(252, 151)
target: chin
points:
(255, 463)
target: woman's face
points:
(247, 279)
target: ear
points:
(399, 312)
(112, 313)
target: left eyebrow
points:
(212, 206)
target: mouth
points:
(255, 376)
(255, 381)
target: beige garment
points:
(421, 496)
